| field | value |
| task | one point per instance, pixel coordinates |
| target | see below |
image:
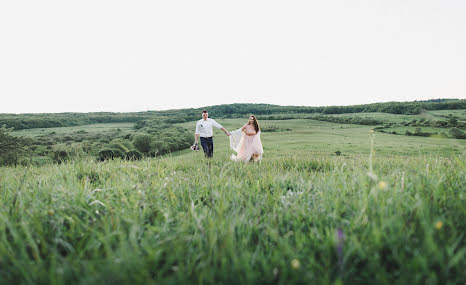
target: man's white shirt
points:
(204, 127)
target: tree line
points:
(152, 140)
(29, 121)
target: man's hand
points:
(228, 133)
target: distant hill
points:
(28, 121)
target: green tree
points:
(453, 121)
(143, 143)
(457, 133)
(106, 154)
(133, 155)
(11, 147)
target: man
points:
(204, 131)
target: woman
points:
(247, 142)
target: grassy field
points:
(394, 212)
(310, 136)
(444, 113)
(94, 128)
(399, 118)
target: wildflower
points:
(438, 225)
(295, 264)
(382, 185)
(51, 212)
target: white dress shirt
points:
(204, 127)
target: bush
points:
(270, 129)
(143, 143)
(133, 155)
(62, 152)
(11, 147)
(457, 133)
(121, 144)
(60, 155)
(452, 121)
(419, 132)
(106, 154)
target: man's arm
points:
(196, 138)
(226, 132)
(218, 126)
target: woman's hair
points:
(255, 123)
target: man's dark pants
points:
(208, 146)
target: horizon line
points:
(205, 107)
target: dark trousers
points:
(208, 146)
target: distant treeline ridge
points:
(29, 121)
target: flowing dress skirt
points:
(247, 147)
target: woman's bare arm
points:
(247, 132)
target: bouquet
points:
(195, 147)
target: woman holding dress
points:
(247, 142)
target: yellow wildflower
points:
(295, 264)
(382, 185)
(438, 225)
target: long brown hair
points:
(255, 123)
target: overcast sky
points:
(108, 55)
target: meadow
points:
(386, 208)
(400, 118)
(92, 128)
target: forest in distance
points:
(44, 138)
(50, 120)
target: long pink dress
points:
(247, 147)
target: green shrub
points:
(457, 133)
(60, 155)
(12, 148)
(121, 144)
(272, 128)
(143, 142)
(133, 155)
(62, 152)
(106, 154)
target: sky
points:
(125, 56)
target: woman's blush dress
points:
(246, 146)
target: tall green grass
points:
(186, 219)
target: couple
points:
(246, 141)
